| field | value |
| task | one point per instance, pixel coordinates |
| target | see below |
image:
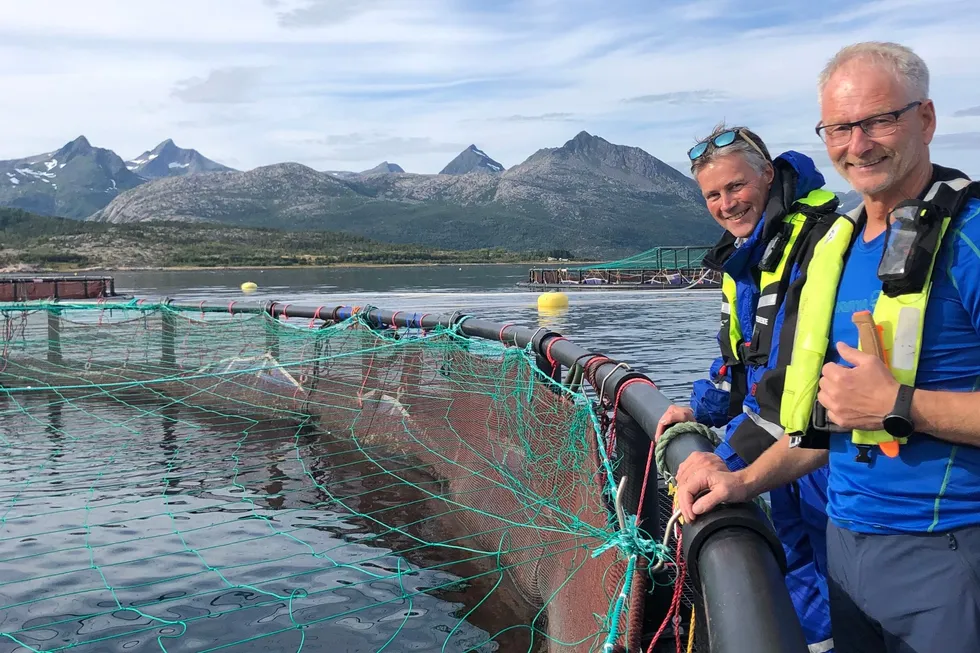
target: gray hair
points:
(900, 60)
(757, 161)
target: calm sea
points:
(177, 484)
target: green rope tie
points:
(675, 431)
(685, 428)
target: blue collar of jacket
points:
(795, 176)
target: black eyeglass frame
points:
(863, 123)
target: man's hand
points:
(858, 397)
(697, 461)
(673, 415)
(720, 486)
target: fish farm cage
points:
(660, 268)
(271, 477)
(25, 287)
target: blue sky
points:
(345, 84)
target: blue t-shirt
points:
(932, 485)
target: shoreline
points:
(194, 268)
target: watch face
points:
(897, 426)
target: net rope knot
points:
(684, 428)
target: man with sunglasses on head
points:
(898, 418)
(770, 209)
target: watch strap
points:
(903, 402)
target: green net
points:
(180, 481)
(658, 258)
(660, 267)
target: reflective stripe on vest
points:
(901, 317)
(731, 330)
(813, 320)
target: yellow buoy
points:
(249, 286)
(552, 300)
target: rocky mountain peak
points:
(584, 139)
(169, 160)
(383, 168)
(620, 163)
(472, 159)
(78, 147)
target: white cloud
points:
(221, 86)
(252, 82)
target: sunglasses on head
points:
(723, 139)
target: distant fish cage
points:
(661, 268)
(24, 288)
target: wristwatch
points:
(898, 423)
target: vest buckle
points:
(773, 253)
(822, 422)
(863, 454)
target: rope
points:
(677, 430)
(684, 428)
(690, 632)
(674, 603)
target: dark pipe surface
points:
(740, 563)
(746, 603)
(683, 446)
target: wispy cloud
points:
(314, 13)
(970, 111)
(679, 97)
(543, 117)
(348, 83)
(221, 86)
(959, 140)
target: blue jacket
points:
(710, 397)
(798, 510)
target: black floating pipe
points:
(643, 401)
(740, 564)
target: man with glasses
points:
(770, 210)
(900, 415)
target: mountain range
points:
(72, 182)
(79, 179)
(588, 196)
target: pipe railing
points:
(747, 603)
(643, 401)
(732, 551)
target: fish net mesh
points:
(183, 480)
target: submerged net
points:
(180, 481)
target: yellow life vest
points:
(901, 319)
(731, 329)
(814, 208)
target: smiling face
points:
(735, 193)
(858, 90)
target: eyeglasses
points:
(723, 139)
(875, 126)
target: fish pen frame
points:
(729, 532)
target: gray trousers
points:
(904, 593)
